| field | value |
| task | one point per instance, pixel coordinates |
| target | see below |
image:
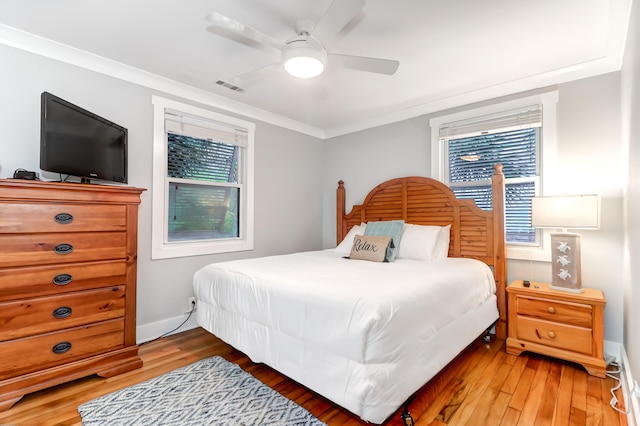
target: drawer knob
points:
(551, 310)
(62, 312)
(62, 279)
(552, 335)
(62, 347)
(63, 249)
(63, 218)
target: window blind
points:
(518, 207)
(521, 118)
(472, 158)
(198, 159)
(180, 124)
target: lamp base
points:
(565, 262)
(569, 289)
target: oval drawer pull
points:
(551, 310)
(63, 218)
(62, 312)
(63, 248)
(552, 335)
(62, 347)
(62, 279)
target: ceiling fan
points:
(303, 55)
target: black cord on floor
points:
(171, 331)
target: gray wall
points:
(288, 204)
(589, 151)
(631, 137)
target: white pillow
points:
(345, 245)
(441, 250)
(424, 242)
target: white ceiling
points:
(450, 51)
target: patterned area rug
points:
(212, 391)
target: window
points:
(513, 141)
(203, 182)
(467, 145)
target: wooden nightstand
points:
(557, 323)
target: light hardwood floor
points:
(483, 386)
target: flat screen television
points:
(76, 142)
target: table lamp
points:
(566, 212)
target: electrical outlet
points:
(191, 305)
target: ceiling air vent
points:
(230, 86)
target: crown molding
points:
(429, 106)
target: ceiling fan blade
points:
(362, 63)
(253, 77)
(339, 14)
(237, 31)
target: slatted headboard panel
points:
(475, 233)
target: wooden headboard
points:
(475, 233)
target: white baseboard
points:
(147, 332)
(631, 401)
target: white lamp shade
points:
(566, 212)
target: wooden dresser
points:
(67, 283)
(558, 323)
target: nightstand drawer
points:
(29, 317)
(575, 339)
(577, 314)
(48, 350)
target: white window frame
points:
(161, 248)
(548, 153)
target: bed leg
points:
(406, 415)
(488, 337)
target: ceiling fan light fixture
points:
(303, 61)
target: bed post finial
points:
(340, 212)
(500, 261)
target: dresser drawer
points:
(575, 339)
(564, 312)
(29, 317)
(34, 281)
(34, 218)
(40, 249)
(48, 350)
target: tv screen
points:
(76, 142)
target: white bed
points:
(367, 335)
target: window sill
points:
(528, 253)
(167, 251)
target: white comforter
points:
(308, 314)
